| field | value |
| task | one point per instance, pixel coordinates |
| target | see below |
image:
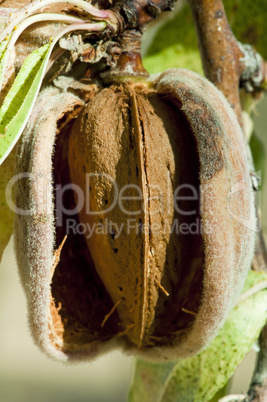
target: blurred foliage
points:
(175, 45)
(248, 21)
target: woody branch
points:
(226, 62)
(231, 65)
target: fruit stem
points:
(136, 15)
(129, 63)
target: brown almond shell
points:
(155, 292)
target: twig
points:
(220, 52)
(230, 65)
(226, 62)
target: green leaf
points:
(20, 99)
(197, 379)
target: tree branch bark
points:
(220, 52)
(230, 65)
(226, 62)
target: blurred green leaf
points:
(173, 56)
(248, 21)
(175, 45)
(177, 30)
(197, 379)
